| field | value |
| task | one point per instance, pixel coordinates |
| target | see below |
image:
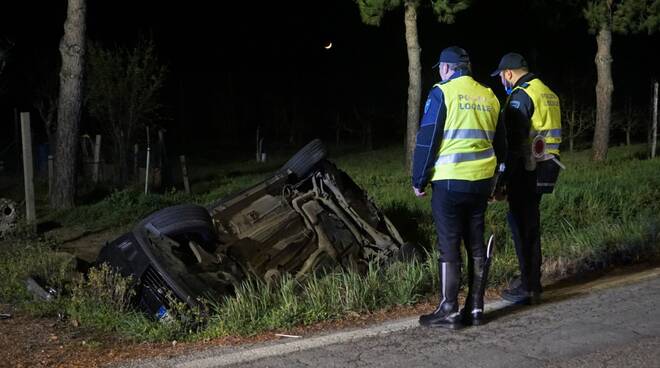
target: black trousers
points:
(524, 220)
(458, 216)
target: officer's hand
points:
(499, 194)
(418, 192)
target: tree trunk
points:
(414, 83)
(72, 49)
(604, 89)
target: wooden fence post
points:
(258, 146)
(28, 169)
(161, 148)
(654, 127)
(51, 174)
(184, 172)
(135, 162)
(97, 159)
(146, 169)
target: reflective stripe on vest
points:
(466, 151)
(546, 119)
(465, 157)
(468, 133)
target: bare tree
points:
(72, 49)
(628, 120)
(577, 118)
(123, 91)
(45, 101)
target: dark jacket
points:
(516, 117)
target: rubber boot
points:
(446, 314)
(473, 311)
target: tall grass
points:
(102, 300)
(27, 256)
(600, 213)
(257, 307)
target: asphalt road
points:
(610, 322)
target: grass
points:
(102, 301)
(258, 307)
(601, 214)
(28, 256)
(119, 208)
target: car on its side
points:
(308, 216)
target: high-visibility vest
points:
(466, 151)
(546, 119)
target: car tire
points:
(306, 158)
(183, 220)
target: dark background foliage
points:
(237, 66)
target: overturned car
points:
(308, 216)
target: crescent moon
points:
(328, 46)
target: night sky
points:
(234, 66)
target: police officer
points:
(531, 116)
(454, 153)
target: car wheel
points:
(305, 159)
(184, 220)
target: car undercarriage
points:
(309, 216)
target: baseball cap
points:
(453, 54)
(511, 60)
